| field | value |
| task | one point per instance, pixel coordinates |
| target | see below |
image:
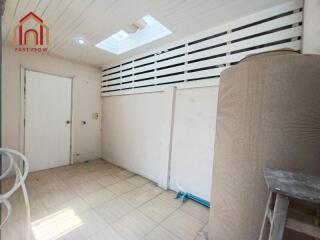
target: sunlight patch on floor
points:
(55, 225)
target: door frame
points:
(23, 79)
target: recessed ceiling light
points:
(141, 32)
(81, 40)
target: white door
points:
(48, 120)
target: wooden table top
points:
(292, 184)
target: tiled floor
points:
(99, 201)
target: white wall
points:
(151, 133)
(86, 99)
(311, 31)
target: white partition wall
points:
(193, 140)
(169, 138)
(132, 131)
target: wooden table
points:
(285, 186)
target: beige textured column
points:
(268, 116)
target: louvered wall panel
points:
(169, 62)
(201, 58)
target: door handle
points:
(68, 122)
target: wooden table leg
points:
(317, 221)
(279, 216)
(264, 233)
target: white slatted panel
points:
(200, 60)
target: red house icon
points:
(40, 32)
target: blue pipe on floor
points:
(184, 195)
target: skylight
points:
(143, 31)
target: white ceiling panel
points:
(96, 20)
